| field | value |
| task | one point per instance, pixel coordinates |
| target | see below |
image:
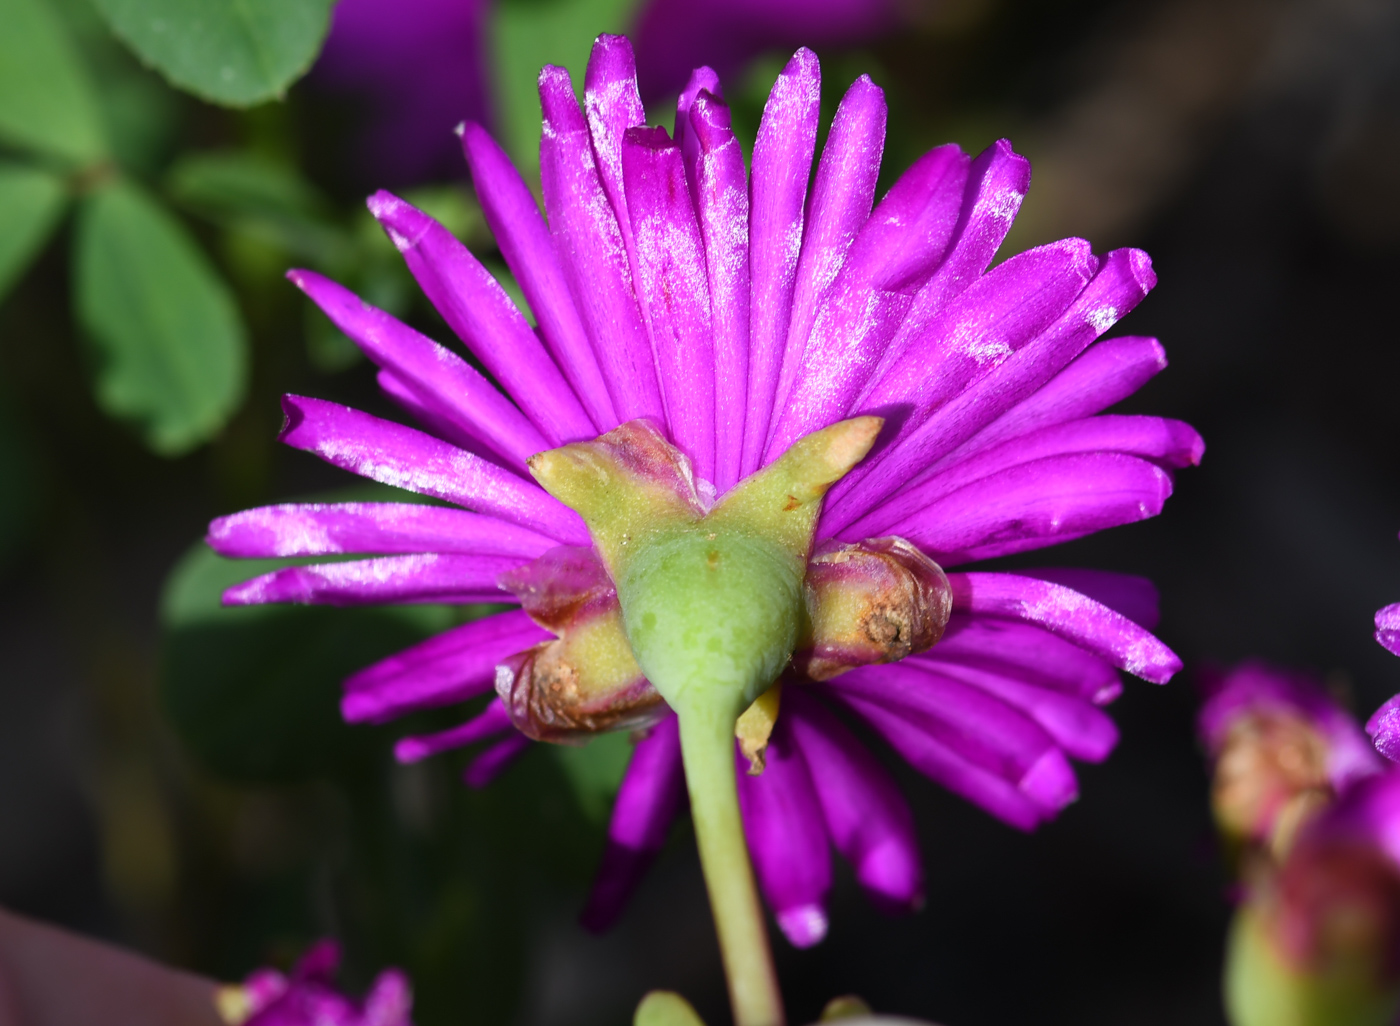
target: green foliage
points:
(595, 770)
(31, 201)
(46, 101)
(233, 52)
(527, 35)
(171, 347)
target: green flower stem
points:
(707, 748)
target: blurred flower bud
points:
(1281, 749)
(307, 996)
(1317, 942)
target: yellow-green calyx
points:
(712, 601)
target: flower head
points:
(779, 380)
(1281, 747)
(308, 997)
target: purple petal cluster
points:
(308, 997)
(741, 310)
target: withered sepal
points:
(874, 601)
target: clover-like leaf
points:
(46, 102)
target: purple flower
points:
(1384, 724)
(1280, 747)
(307, 997)
(419, 66)
(743, 312)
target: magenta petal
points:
(940, 763)
(318, 529)
(588, 239)
(494, 719)
(1040, 503)
(673, 289)
(1134, 597)
(1169, 443)
(1074, 724)
(1124, 277)
(442, 381)
(523, 237)
(787, 838)
(702, 79)
(1105, 373)
(782, 165)
(613, 105)
(722, 202)
(485, 318)
(651, 794)
(972, 722)
(1074, 617)
(897, 249)
(422, 577)
(840, 204)
(396, 455)
(389, 1001)
(447, 428)
(1388, 627)
(450, 667)
(1384, 728)
(868, 819)
(487, 766)
(1027, 653)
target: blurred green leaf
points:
(31, 201)
(46, 102)
(172, 351)
(255, 690)
(249, 192)
(233, 52)
(527, 35)
(666, 1008)
(595, 771)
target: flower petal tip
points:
(804, 926)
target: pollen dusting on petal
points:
(876, 601)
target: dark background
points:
(1252, 147)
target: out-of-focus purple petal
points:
(868, 819)
(389, 1001)
(318, 529)
(894, 254)
(400, 456)
(1384, 728)
(613, 105)
(1074, 617)
(1027, 653)
(1134, 597)
(1169, 443)
(674, 35)
(1388, 627)
(842, 196)
(421, 67)
(523, 238)
(1124, 277)
(588, 239)
(787, 838)
(485, 318)
(1075, 724)
(782, 166)
(1040, 503)
(450, 667)
(440, 379)
(975, 724)
(651, 794)
(422, 577)
(487, 766)
(673, 289)
(940, 763)
(722, 202)
(1102, 375)
(494, 719)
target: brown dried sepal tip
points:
(875, 601)
(586, 681)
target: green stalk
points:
(707, 749)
